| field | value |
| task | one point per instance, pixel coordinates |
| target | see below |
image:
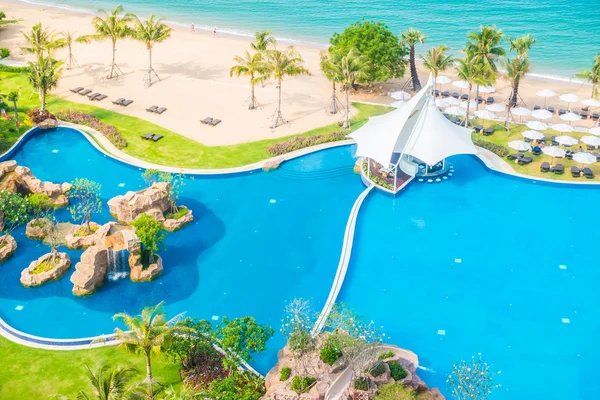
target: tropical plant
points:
(522, 44)
(592, 76)
(113, 26)
(241, 338)
(329, 63)
(86, 194)
(262, 40)
(378, 45)
(15, 209)
(151, 235)
(484, 47)
(109, 383)
(296, 328)
(353, 67)
(280, 65)
(176, 183)
(147, 334)
(43, 75)
(515, 70)
(472, 72)
(410, 38)
(67, 40)
(150, 32)
(436, 60)
(40, 41)
(253, 67)
(238, 386)
(394, 391)
(471, 380)
(13, 97)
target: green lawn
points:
(500, 137)
(29, 373)
(173, 150)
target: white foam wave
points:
(426, 369)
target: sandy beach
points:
(195, 82)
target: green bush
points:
(375, 178)
(302, 384)
(9, 68)
(394, 391)
(361, 384)
(494, 148)
(4, 52)
(385, 355)
(397, 370)
(378, 369)
(330, 354)
(285, 373)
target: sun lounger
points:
(206, 120)
(558, 169)
(125, 103)
(156, 138)
(595, 116)
(479, 99)
(93, 96)
(147, 136)
(488, 131)
(100, 98)
(588, 173)
(597, 155)
(84, 92)
(551, 109)
(525, 160)
(515, 156)
(562, 111)
(152, 109)
(553, 141)
(490, 100)
(478, 128)
(575, 171)
(446, 94)
(456, 95)
(437, 93)
(584, 115)
(535, 108)
(76, 90)
(118, 101)
(464, 96)
(215, 122)
(160, 110)
(545, 167)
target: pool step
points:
(319, 174)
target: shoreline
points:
(233, 33)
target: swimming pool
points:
(477, 263)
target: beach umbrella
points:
(401, 95)
(461, 84)
(442, 103)
(545, 94)
(595, 131)
(452, 101)
(520, 111)
(471, 104)
(584, 158)
(566, 140)
(486, 89)
(541, 114)
(485, 115)
(570, 117)
(397, 104)
(562, 128)
(533, 135)
(591, 102)
(591, 140)
(553, 152)
(537, 125)
(569, 98)
(519, 145)
(495, 107)
(442, 80)
(457, 111)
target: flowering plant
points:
(89, 120)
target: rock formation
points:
(90, 271)
(272, 164)
(9, 245)
(63, 262)
(48, 123)
(175, 224)
(81, 242)
(38, 228)
(141, 274)
(19, 179)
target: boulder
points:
(9, 245)
(7, 166)
(175, 224)
(81, 242)
(141, 274)
(272, 164)
(38, 228)
(90, 271)
(153, 200)
(21, 180)
(63, 262)
(48, 123)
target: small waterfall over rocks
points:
(118, 264)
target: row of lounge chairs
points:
(86, 92)
(576, 172)
(464, 96)
(122, 102)
(156, 109)
(211, 121)
(152, 137)
(557, 169)
(583, 113)
(521, 158)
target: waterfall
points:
(118, 264)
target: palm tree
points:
(262, 41)
(43, 76)
(14, 97)
(67, 40)
(473, 73)
(330, 66)
(147, 333)
(108, 383)
(410, 37)
(354, 68)
(592, 76)
(522, 44)
(485, 47)
(279, 65)
(253, 67)
(151, 32)
(516, 69)
(40, 40)
(436, 60)
(112, 26)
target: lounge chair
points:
(456, 95)
(490, 100)
(595, 116)
(553, 141)
(84, 92)
(525, 160)
(437, 93)
(464, 97)
(93, 96)
(160, 110)
(584, 115)
(562, 111)
(536, 151)
(535, 108)
(569, 155)
(148, 136)
(446, 94)
(488, 131)
(551, 109)
(575, 172)
(479, 99)
(545, 167)
(597, 155)
(515, 156)
(478, 128)
(152, 109)
(206, 120)
(588, 173)
(118, 101)
(558, 169)
(100, 98)
(76, 90)
(156, 138)
(215, 122)
(125, 103)
(586, 108)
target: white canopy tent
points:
(418, 129)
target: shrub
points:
(330, 354)
(385, 355)
(38, 116)
(376, 179)
(89, 120)
(302, 384)
(300, 142)
(285, 373)
(394, 391)
(11, 69)
(4, 52)
(361, 384)
(494, 148)
(202, 365)
(378, 369)
(44, 266)
(180, 213)
(397, 370)
(82, 230)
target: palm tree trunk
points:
(150, 67)
(277, 117)
(333, 101)
(42, 100)
(413, 70)
(347, 122)
(149, 377)
(70, 58)
(476, 98)
(468, 106)
(515, 94)
(252, 98)
(16, 112)
(112, 65)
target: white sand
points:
(195, 84)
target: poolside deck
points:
(401, 178)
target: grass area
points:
(501, 138)
(44, 266)
(173, 150)
(83, 230)
(29, 373)
(181, 211)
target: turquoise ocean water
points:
(567, 30)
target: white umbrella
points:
(519, 145)
(570, 117)
(520, 111)
(537, 125)
(562, 128)
(452, 101)
(591, 102)
(397, 104)
(553, 151)
(486, 89)
(455, 111)
(541, 114)
(471, 104)
(495, 107)
(569, 98)
(566, 140)
(545, 94)
(441, 103)
(485, 114)
(401, 95)
(595, 131)
(533, 135)
(442, 80)
(461, 84)
(584, 158)
(591, 140)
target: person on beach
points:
(192, 29)
(215, 31)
